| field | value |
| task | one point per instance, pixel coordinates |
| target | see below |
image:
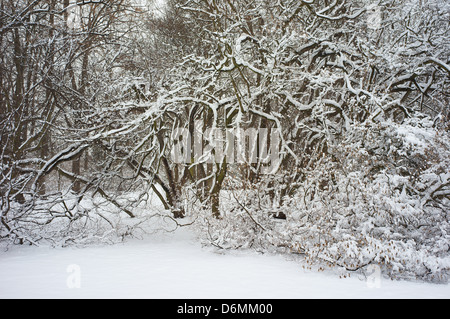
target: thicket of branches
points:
(353, 96)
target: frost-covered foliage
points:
(377, 200)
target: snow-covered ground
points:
(176, 266)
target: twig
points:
(248, 213)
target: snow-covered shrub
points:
(246, 223)
(380, 196)
(61, 221)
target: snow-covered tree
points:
(51, 90)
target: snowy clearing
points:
(175, 266)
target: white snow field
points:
(175, 266)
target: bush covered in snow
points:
(379, 197)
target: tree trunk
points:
(215, 205)
(83, 85)
(18, 109)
